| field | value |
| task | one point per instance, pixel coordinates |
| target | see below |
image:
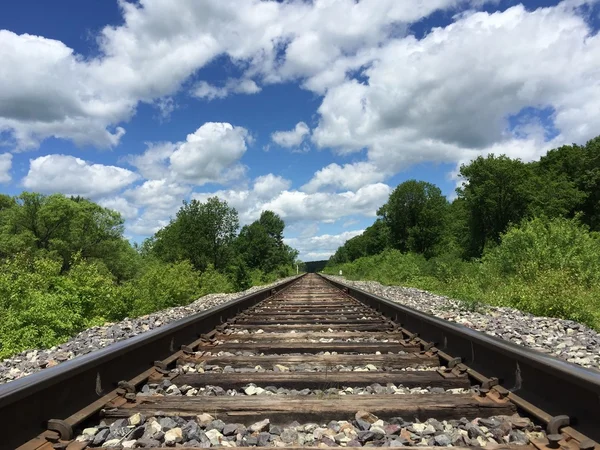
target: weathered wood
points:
(324, 321)
(299, 313)
(313, 327)
(311, 347)
(311, 305)
(321, 380)
(304, 336)
(487, 447)
(391, 361)
(284, 409)
(308, 318)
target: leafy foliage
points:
(518, 234)
(65, 264)
(415, 214)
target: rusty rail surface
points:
(45, 410)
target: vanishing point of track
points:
(307, 334)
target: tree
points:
(64, 227)
(202, 233)
(261, 246)
(415, 215)
(497, 191)
(580, 167)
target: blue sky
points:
(315, 110)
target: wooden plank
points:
(420, 447)
(392, 361)
(311, 347)
(279, 313)
(321, 380)
(284, 409)
(307, 318)
(329, 321)
(311, 305)
(314, 327)
(303, 336)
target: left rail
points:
(26, 404)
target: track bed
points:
(308, 367)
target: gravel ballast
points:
(31, 361)
(564, 339)
(365, 430)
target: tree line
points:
(65, 263)
(496, 192)
(511, 222)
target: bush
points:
(160, 286)
(545, 267)
(42, 308)
(541, 245)
(213, 281)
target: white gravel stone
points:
(564, 339)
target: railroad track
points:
(317, 364)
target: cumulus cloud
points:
(205, 154)
(74, 176)
(292, 138)
(159, 199)
(210, 154)
(210, 92)
(294, 206)
(45, 90)
(347, 177)
(461, 83)
(320, 247)
(121, 205)
(49, 90)
(5, 166)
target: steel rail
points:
(27, 404)
(554, 386)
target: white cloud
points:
(158, 194)
(459, 84)
(153, 163)
(45, 90)
(74, 176)
(329, 207)
(5, 166)
(320, 247)
(347, 177)
(292, 138)
(232, 85)
(160, 200)
(210, 154)
(48, 90)
(294, 206)
(121, 205)
(269, 186)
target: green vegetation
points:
(518, 234)
(65, 264)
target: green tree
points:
(202, 233)
(415, 215)
(62, 226)
(261, 245)
(579, 165)
(497, 191)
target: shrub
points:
(162, 285)
(212, 281)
